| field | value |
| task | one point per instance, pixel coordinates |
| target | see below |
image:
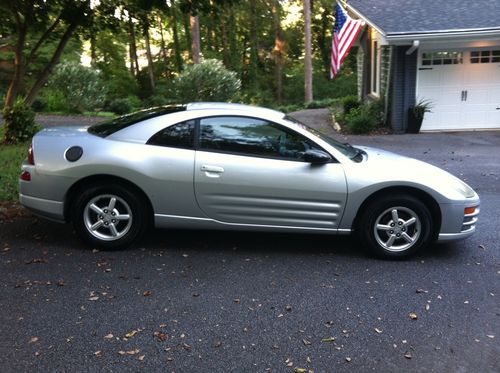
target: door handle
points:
(214, 169)
(462, 97)
(465, 96)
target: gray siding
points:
(403, 87)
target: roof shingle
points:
(422, 16)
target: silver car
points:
(237, 167)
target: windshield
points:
(348, 150)
(114, 125)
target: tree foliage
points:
(144, 48)
(80, 86)
(206, 81)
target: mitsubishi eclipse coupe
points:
(237, 167)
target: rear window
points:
(114, 125)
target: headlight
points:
(464, 189)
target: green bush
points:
(55, 101)
(206, 81)
(376, 110)
(120, 106)
(20, 123)
(359, 120)
(350, 102)
(80, 86)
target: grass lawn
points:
(11, 157)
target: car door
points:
(250, 171)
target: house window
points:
(442, 58)
(492, 56)
(375, 70)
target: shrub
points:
(81, 87)
(350, 102)
(376, 110)
(120, 106)
(359, 120)
(19, 123)
(39, 105)
(206, 81)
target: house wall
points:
(403, 87)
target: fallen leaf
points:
(413, 315)
(36, 260)
(129, 353)
(160, 336)
(421, 291)
(98, 353)
(132, 333)
(280, 315)
(328, 339)
(348, 359)
(61, 283)
(306, 342)
(427, 307)
(141, 358)
(378, 330)
(408, 355)
(34, 339)
(217, 344)
(289, 308)
(109, 336)
(186, 346)
(300, 370)
(490, 336)
(147, 293)
(236, 300)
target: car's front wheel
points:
(395, 226)
(109, 216)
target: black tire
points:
(99, 215)
(394, 240)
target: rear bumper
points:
(53, 210)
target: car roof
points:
(255, 110)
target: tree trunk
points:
(253, 43)
(93, 52)
(134, 62)
(16, 83)
(279, 51)
(323, 41)
(148, 54)
(308, 84)
(163, 48)
(177, 44)
(44, 75)
(194, 21)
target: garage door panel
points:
(464, 95)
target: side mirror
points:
(317, 156)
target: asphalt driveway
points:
(196, 301)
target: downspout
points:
(413, 47)
(387, 86)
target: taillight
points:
(31, 156)
(26, 176)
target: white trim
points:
(375, 90)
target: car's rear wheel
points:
(109, 216)
(395, 226)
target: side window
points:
(179, 135)
(252, 136)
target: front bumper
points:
(457, 224)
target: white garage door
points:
(463, 87)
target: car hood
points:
(386, 167)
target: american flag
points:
(345, 32)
